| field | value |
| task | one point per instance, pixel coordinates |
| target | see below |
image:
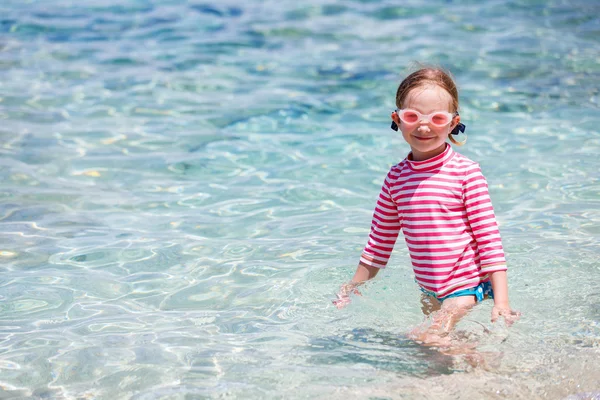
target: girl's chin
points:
(422, 151)
(428, 146)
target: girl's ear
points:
(395, 121)
(455, 122)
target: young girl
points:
(440, 201)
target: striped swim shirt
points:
(443, 208)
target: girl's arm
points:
(500, 288)
(501, 304)
(385, 227)
(482, 220)
(363, 273)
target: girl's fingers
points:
(510, 316)
(341, 302)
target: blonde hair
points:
(434, 76)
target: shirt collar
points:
(433, 163)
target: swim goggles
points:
(438, 119)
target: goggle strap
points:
(460, 127)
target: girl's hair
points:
(429, 76)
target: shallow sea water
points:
(185, 185)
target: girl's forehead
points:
(428, 98)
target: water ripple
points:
(185, 187)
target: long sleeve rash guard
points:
(443, 208)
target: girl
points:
(440, 201)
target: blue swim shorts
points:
(481, 292)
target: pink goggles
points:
(436, 118)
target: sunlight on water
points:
(185, 187)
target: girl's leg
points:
(443, 319)
(429, 304)
(452, 311)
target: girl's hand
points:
(343, 296)
(510, 316)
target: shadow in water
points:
(382, 350)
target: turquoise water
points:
(185, 185)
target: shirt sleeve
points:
(482, 220)
(385, 228)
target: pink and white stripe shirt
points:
(443, 208)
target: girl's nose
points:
(423, 128)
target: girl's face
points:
(426, 140)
